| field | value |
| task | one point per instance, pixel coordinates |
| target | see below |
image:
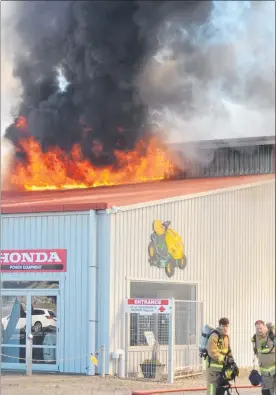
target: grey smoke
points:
(216, 81)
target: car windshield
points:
(52, 314)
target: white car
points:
(41, 318)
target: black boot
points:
(265, 392)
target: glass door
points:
(13, 330)
(25, 312)
(44, 328)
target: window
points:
(30, 284)
(158, 324)
(38, 312)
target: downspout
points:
(103, 241)
(92, 288)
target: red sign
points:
(148, 306)
(149, 302)
(33, 260)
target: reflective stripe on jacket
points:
(271, 370)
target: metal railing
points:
(98, 358)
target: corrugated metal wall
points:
(75, 232)
(229, 239)
(231, 161)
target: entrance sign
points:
(148, 306)
(53, 260)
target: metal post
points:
(203, 361)
(103, 361)
(171, 343)
(127, 331)
(188, 325)
(29, 354)
(92, 275)
(121, 364)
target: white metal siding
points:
(75, 232)
(229, 239)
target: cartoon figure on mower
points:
(166, 248)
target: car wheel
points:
(37, 327)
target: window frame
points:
(21, 284)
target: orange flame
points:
(56, 169)
(21, 123)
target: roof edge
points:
(54, 208)
(108, 203)
(228, 143)
(194, 195)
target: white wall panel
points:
(229, 239)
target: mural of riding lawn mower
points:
(166, 248)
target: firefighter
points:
(264, 348)
(219, 354)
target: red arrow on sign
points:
(161, 309)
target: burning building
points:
(81, 253)
(72, 254)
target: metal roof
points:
(124, 195)
(228, 143)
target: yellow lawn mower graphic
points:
(166, 248)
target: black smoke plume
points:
(100, 47)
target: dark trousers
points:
(213, 387)
(268, 384)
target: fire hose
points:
(175, 390)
